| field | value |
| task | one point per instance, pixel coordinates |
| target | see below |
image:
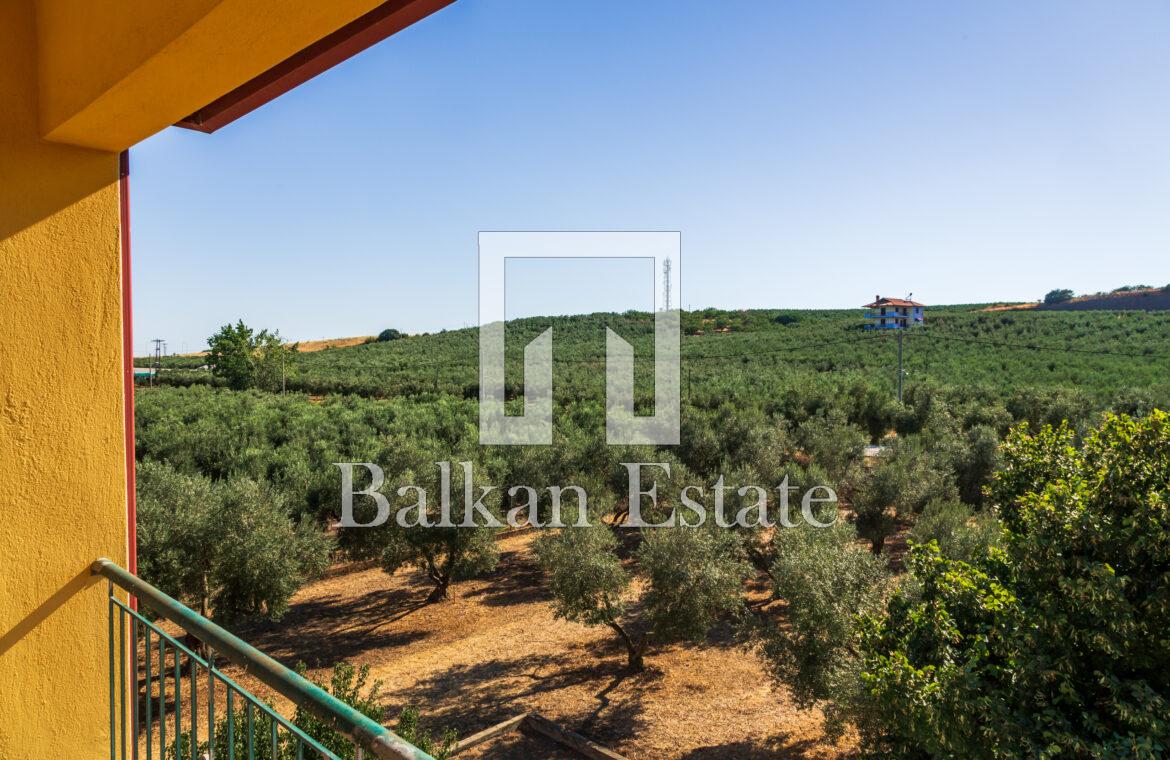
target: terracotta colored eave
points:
(387, 19)
(893, 302)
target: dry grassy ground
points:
(494, 650)
(309, 346)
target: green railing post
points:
(162, 698)
(194, 709)
(149, 697)
(178, 705)
(231, 720)
(122, 676)
(211, 698)
(113, 673)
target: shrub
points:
(411, 727)
(347, 684)
(1055, 645)
(389, 334)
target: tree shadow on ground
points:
(336, 627)
(517, 579)
(471, 697)
(774, 748)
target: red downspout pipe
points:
(128, 364)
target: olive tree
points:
(958, 532)
(827, 583)
(176, 532)
(230, 547)
(262, 556)
(692, 575)
(441, 518)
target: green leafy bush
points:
(1055, 645)
(411, 727)
(244, 358)
(389, 334)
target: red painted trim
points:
(128, 361)
(387, 19)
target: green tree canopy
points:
(1053, 645)
(230, 546)
(247, 359)
(693, 575)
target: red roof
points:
(892, 302)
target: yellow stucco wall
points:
(62, 489)
(81, 80)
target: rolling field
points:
(800, 397)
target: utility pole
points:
(900, 331)
(156, 364)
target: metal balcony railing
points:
(148, 663)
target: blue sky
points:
(812, 154)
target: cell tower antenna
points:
(666, 284)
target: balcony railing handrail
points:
(383, 742)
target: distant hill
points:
(1105, 352)
(1153, 299)
(1122, 299)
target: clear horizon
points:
(810, 156)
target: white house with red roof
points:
(893, 313)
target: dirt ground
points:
(493, 650)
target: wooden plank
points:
(570, 739)
(511, 724)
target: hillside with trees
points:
(994, 587)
